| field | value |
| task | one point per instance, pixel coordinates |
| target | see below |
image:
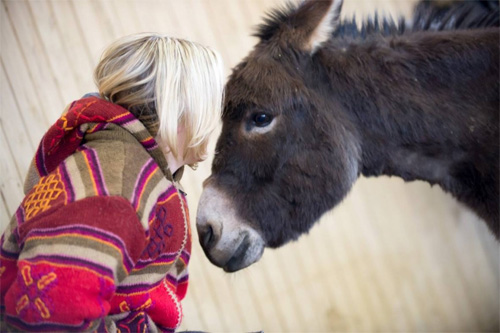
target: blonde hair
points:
(166, 83)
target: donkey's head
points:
(286, 153)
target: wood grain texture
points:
(393, 256)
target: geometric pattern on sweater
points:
(162, 228)
(99, 207)
(43, 194)
(35, 288)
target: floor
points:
(392, 257)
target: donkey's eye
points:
(262, 119)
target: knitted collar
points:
(89, 115)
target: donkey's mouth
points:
(249, 252)
(236, 262)
(232, 251)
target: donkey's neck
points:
(409, 161)
(422, 104)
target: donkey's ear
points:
(305, 27)
(313, 23)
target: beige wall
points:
(391, 257)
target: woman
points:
(101, 240)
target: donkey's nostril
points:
(208, 237)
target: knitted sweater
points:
(101, 240)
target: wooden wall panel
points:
(392, 257)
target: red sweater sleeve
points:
(70, 262)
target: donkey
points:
(318, 102)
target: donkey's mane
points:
(427, 15)
(370, 26)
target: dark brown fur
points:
(418, 103)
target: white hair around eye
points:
(172, 81)
(259, 124)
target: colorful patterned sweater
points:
(101, 241)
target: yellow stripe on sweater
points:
(92, 178)
(144, 188)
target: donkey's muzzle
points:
(228, 242)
